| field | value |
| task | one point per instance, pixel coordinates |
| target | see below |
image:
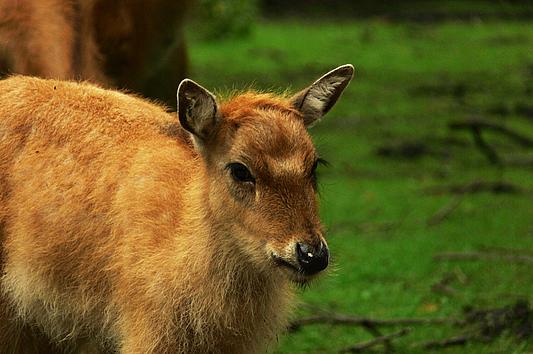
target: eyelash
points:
(318, 161)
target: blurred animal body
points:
(133, 44)
(126, 229)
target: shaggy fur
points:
(138, 45)
(116, 234)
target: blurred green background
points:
(388, 198)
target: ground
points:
(387, 142)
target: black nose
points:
(312, 259)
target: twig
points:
(484, 147)
(373, 330)
(359, 347)
(476, 126)
(445, 211)
(334, 319)
(472, 256)
(476, 123)
(369, 326)
(506, 250)
(458, 340)
(443, 286)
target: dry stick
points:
(445, 211)
(458, 340)
(377, 333)
(485, 148)
(443, 286)
(359, 347)
(369, 326)
(472, 256)
(334, 319)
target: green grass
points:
(411, 79)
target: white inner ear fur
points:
(321, 92)
(197, 109)
(201, 111)
(318, 99)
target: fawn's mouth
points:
(296, 274)
(284, 263)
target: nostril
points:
(304, 253)
(312, 260)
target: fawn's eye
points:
(240, 173)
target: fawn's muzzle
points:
(312, 259)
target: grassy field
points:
(411, 80)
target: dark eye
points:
(240, 173)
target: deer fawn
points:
(124, 229)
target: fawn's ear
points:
(197, 109)
(317, 99)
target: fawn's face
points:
(262, 167)
(265, 189)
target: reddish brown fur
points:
(116, 233)
(121, 231)
(133, 44)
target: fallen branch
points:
(477, 325)
(488, 324)
(334, 319)
(474, 256)
(495, 187)
(359, 347)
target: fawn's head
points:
(261, 167)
